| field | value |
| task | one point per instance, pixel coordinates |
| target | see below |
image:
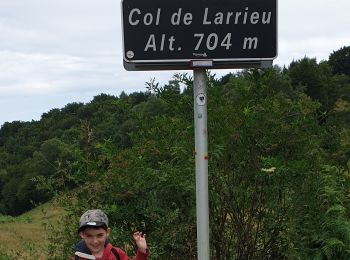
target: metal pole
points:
(201, 144)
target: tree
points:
(316, 80)
(278, 178)
(267, 166)
(340, 61)
(266, 169)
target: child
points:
(94, 232)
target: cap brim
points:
(89, 224)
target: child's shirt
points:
(82, 252)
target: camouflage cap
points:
(93, 218)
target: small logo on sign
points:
(201, 100)
(204, 54)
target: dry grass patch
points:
(25, 237)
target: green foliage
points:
(31, 152)
(265, 143)
(149, 187)
(10, 219)
(317, 79)
(331, 239)
(340, 61)
(268, 183)
(278, 165)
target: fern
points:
(333, 240)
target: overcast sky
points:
(54, 52)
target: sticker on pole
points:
(201, 100)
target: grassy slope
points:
(28, 238)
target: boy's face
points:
(95, 239)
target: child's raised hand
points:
(140, 240)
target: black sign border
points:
(185, 64)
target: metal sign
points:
(160, 34)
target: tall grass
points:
(24, 237)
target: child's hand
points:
(140, 240)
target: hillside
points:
(278, 166)
(25, 236)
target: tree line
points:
(279, 148)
